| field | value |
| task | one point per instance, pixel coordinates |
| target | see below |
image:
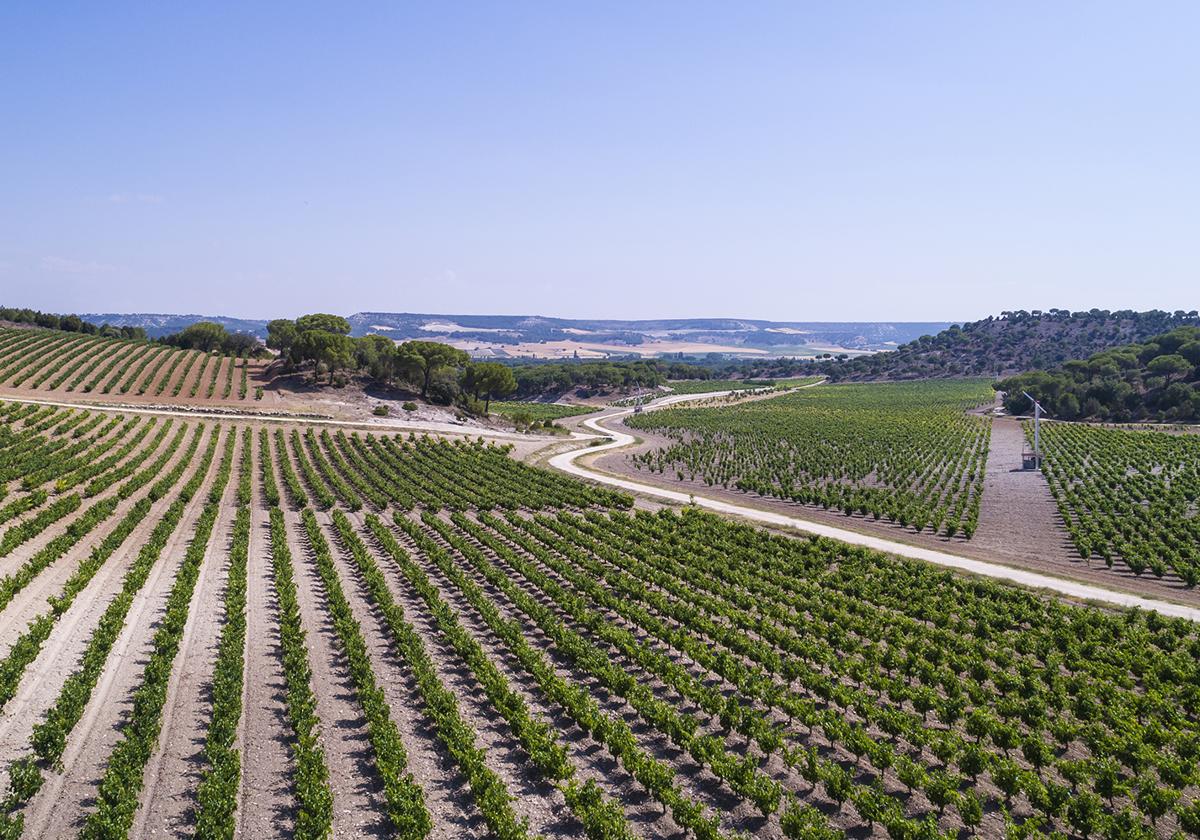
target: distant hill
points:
(1012, 343)
(1157, 380)
(511, 336)
(644, 337)
(157, 325)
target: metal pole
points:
(1037, 430)
(1037, 434)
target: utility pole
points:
(1037, 430)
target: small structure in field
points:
(1032, 460)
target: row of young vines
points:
(905, 452)
(737, 681)
(48, 360)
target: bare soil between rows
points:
(1019, 523)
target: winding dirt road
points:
(573, 463)
(568, 462)
(430, 426)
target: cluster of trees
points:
(436, 370)
(1158, 380)
(1009, 344)
(549, 377)
(68, 323)
(439, 372)
(445, 374)
(537, 378)
(324, 340)
(209, 337)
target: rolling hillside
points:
(1155, 380)
(502, 335)
(1012, 343)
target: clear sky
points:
(791, 160)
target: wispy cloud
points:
(62, 265)
(136, 198)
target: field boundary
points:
(252, 417)
(567, 462)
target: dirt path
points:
(266, 807)
(537, 802)
(447, 794)
(32, 600)
(267, 392)
(693, 778)
(59, 807)
(63, 649)
(1019, 520)
(1017, 514)
(1101, 586)
(25, 550)
(1019, 523)
(232, 413)
(358, 805)
(590, 758)
(173, 772)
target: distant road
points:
(566, 462)
(429, 426)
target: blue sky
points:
(793, 161)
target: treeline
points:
(446, 375)
(68, 323)
(1158, 380)
(439, 372)
(535, 379)
(1012, 343)
(210, 337)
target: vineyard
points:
(230, 629)
(1128, 498)
(539, 411)
(707, 386)
(76, 364)
(903, 452)
(741, 387)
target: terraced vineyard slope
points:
(70, 365)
